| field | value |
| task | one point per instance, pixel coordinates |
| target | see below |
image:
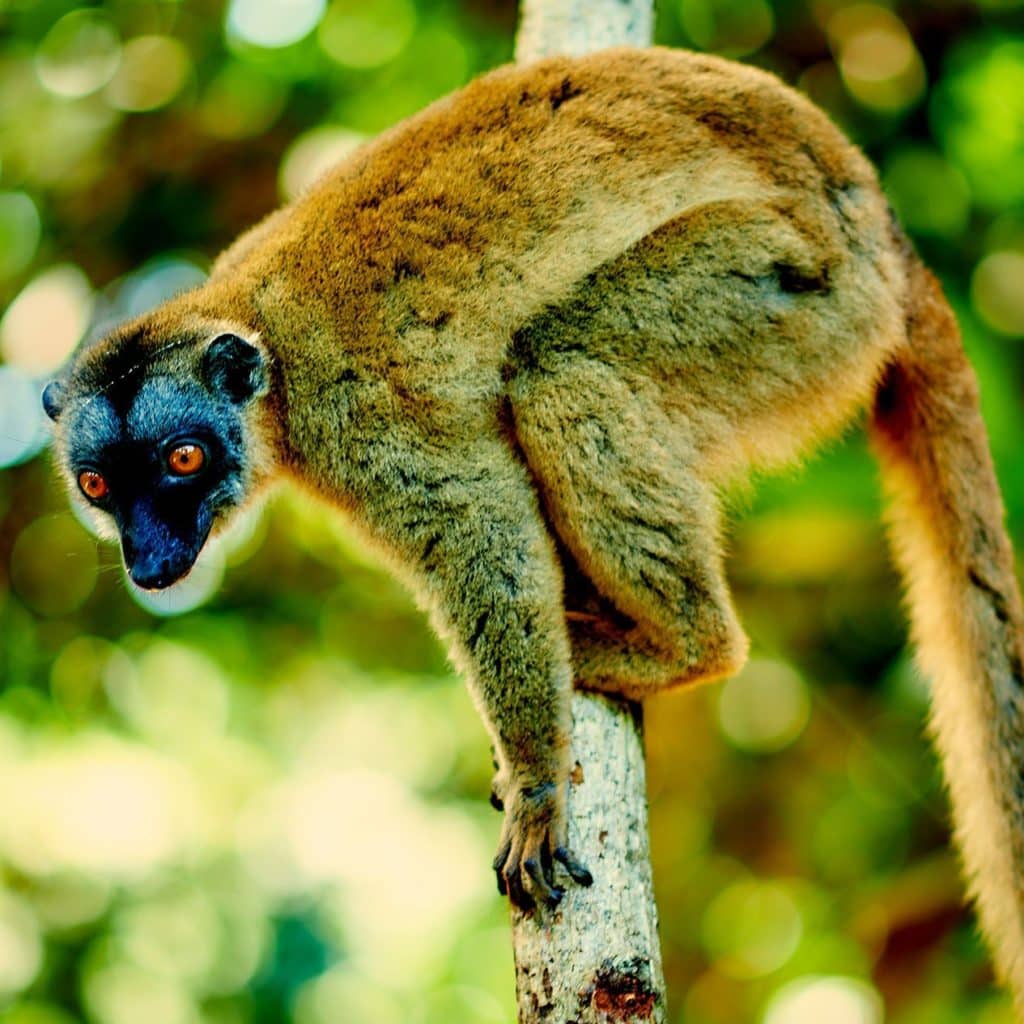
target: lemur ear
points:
(235, 367)
(53, 399)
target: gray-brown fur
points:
(523, 338)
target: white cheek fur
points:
(97, 522)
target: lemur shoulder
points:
(522, 340)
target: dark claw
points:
(577, 872)
(496, 801)
(552, 893)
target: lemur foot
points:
(532, 841)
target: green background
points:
(272, 807)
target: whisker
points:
(18, 438)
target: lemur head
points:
(158, 435)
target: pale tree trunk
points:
(596, 960)
(548, 27)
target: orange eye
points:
(93, 486)
(186, 459)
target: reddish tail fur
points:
(946, 526)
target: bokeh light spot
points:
(273, 23)
(977, 109)
(853, 836)
(54, 565)
(157, 281)
(152, 72)
(930, 195)
(69, 899)
(751, 929)
(765, 707)
(79, 55)
(440, 55)
(808, 544)
(19, 232)
(375, 837)
(47, 319)
(244, 535)
(390, 730)
(464, 1003)
(173, 935)
(343, 993)
(21, 950)
(95, 804)
(240, 101)
(24, 428)
(122, 993)
(730, 27)
(36, 1012)
(997, 291)
(877, 54)
(175, 696)
(880, 65)
(815, 1000)
(311, 155)
(76, 676)
(50, 144)
(366, 33)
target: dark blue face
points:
(164, 458)
(163, 468)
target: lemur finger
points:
(577, 871)
(499, 865)
(547, 863)
(517, 892)
(551, 894)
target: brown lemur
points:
(522, 340)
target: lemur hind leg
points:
(617, 481)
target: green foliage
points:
(271, 807)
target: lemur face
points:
(156, 451)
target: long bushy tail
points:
(946, 525)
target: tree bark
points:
(581, 26)
(596, 960)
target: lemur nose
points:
(155, 575)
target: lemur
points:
(522, 340)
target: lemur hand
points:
(532, 840)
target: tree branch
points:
(581, 26)
(596, 960)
